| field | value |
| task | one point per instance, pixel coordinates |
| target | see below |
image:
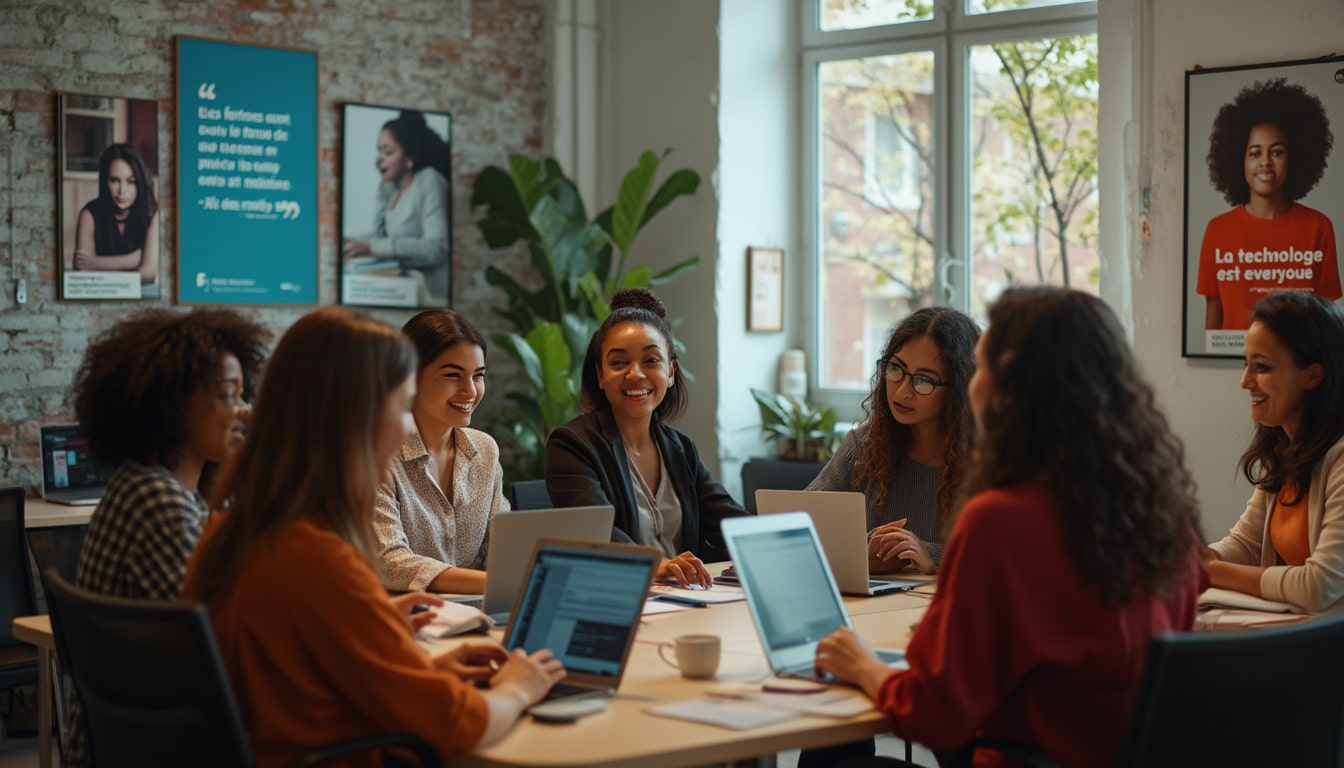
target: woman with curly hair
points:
(1268, 149)
(908, 456)
(1078, 488)
(621, 451)
(1289, 543)
(164, 397)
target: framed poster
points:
(108, 175)
(247, 173)
(396, 207)
(765, 289)
(1262, 197)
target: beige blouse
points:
(423, 531)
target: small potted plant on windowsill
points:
(804, 433)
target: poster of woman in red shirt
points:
(1268, 148)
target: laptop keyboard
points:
(471, 602)
(564, 691)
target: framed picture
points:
(396, 207)
(108, 177)
(765, 289)
(247, 173)
(1263, 193)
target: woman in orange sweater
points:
(315, 649)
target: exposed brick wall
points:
(480, 60)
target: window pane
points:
(859, 14)
(1033, 195)
(994, 6)
(876, 240)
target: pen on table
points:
(682, 600)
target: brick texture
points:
(480, 60)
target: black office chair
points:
(775, 475)
(18, 660)
(529, 494)
(153, 686)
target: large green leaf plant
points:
(534, 201)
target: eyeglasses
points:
(895, 373)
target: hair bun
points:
(639, 298)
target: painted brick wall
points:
(480, 60)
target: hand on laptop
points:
(409, 602)
(473, 661)
(848, 656)
(532, 675)
(685, 569)
(892, 543)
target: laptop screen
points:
(793, 597)
(584, 605)
(67, 461)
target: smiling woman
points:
(432, 514)
(620, 451)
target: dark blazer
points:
(586, 465)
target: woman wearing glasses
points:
(906, 458)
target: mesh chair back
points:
(775, 476)
(150, 679)
(1264, 697)
(529, 494)
(17, 596)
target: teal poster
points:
(247, 174)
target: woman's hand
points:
(355, 248)
(408, 602)
(849, 657)
(893, 542)
(686, 569)
(531, 675)
(473, 661)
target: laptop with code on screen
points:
(582, 600)
(70, 474)
(790, 590)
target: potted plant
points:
(534, 201)
(804, 433)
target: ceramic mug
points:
(697, 656)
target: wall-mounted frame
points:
(108, 175)
(396, 207)
(1256, 139)
(765, 289)
(247, 173)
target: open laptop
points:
(841, 521)
(583, 600)
(790, 591)
(70, 475)
(514, 536)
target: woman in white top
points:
(432, 520)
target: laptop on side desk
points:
(790, 591)
(841, 521)
(70, 474)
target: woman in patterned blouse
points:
(433, 518)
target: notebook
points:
(791, 592)
(70, 475)
(582, 600)
(841, 521)
(513, 537)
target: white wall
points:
(1202, 398)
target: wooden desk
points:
(624, 736)
(38, 513)
(36, 630)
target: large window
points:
(953, 155)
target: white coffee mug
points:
(697, 655)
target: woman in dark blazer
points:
(620, 451)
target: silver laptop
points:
(790, 590)
(841, 521)
(582, 600)
(513, 537)
(70, 475)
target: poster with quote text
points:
(1264, 193)
(247, 173)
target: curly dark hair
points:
(134, 387)
(435, 330)
(1311, 328)
(1069, 409)
(888, 441)
(633, 305)
(1297, 113)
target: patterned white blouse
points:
(423, 531)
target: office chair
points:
(18, 660)
(153, 685)
(775, 475)
(529, 494)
